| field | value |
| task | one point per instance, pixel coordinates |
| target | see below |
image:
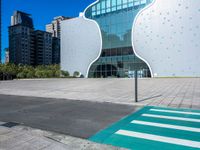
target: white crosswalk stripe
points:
(157, 138)
(175, 111)
(166, 126)
(172, 118)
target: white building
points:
(159, 38)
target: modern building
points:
(28, 46)
(21, 18)
(54, 26)
(21, 39)
(114, 38)
(55, 50)
(43, 47)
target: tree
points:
(10, 71)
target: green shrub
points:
(39, 74)
(30, 74)
(76, 74)
(24, 71)
(21, 75)
(65, 73)
(57, 74)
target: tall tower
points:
(21, 39)
(54, 26)
(55, 29)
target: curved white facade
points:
(167, 36)
(80, 44)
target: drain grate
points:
(10, 124)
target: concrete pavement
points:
(81, 107)
(26, 138)
(172, 92)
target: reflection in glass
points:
(115, 19)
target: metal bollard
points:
(136, 86)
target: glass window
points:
(116, 37)
(108, 4)
(113, 3)
(119, 2)
(98, 9)
(119, 7)
(125, 1)
(130, 3)
(136, 3)
(114, 8)
(93, 13)
(125, 5)
(143, 1)
(98, 12)
(98, 6)
(93, 8)
(103, 5)
(103, 11)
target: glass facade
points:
(115, 19)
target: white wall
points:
(167, 36)
(80, 44)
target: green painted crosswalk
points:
(154, 128)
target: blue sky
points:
(42, 12)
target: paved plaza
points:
(63, 113)
(172, 92)
(26, 138)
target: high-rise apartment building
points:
(55, 29)
(27, 46)
(55, 50)
(43, 47)
(21, 39)
(54, 26)
(21, 18)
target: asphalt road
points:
(76, 118)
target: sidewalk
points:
(167, 92)
(25, 138)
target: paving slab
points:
(26, 138)
(154, 91)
